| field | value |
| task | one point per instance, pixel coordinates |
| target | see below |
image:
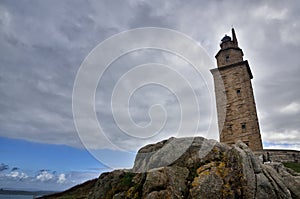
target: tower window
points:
(229, 129)
(238, 92)
(227, 58)
(243, 126)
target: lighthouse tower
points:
(237, 117)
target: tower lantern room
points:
(230, 52)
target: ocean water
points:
(15, 196)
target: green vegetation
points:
(293, 165)
(123, 184)
(126, 181)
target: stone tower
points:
(237, 117)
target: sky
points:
(44, 44)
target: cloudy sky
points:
(44, 43)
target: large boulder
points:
(198, 168)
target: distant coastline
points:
(20, 192)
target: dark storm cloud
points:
(3, 167)
(44, 42)
(15, 169)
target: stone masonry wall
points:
(232, 55)
(274, 155)
(237, 117)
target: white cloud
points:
(44, 176)
(291, 108)
(283, 146)
(267, 12)
(5, 18)
(17, 175)
(16, 178)
(286, 139)
(61, 178)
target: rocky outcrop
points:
(198, 168)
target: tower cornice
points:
(234, 48)
(234, 65)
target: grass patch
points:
(292, 165)
(126, 181)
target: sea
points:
(16, 196)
